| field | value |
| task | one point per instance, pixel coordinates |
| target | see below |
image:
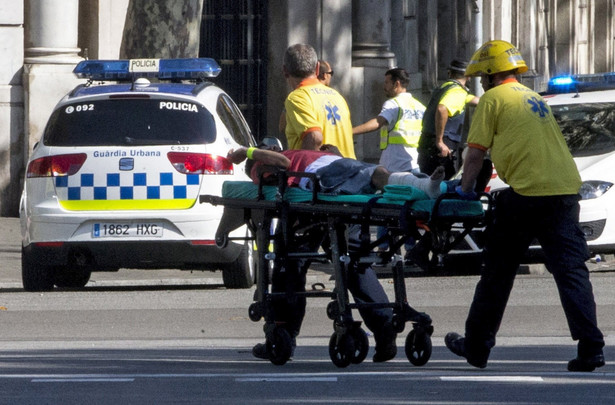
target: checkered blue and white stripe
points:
(127, 186)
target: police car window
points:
(129, 122)
(233, 121)
(589, 129)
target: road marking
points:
(54, 380)
(287, 379)
(493, 378)
(538, 376)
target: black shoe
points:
(385, 353)
(386, 348)
(586, 364)
(456, 344)
(260, 350)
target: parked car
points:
(114, 181)
(584, 107)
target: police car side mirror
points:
(271, 143)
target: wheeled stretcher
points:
(404, 213)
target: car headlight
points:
(594, 189)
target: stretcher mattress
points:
(392, 195)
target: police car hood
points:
(596, 167)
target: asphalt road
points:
(143, 337)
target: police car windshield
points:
(130, 122)
(589, 129)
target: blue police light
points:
(562, 81)
(561, 84)
(581, 83)
(131, 69)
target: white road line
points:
(493, 378)
(538, 376)
(55, 380)
(287, 379)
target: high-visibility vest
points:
(406, 131)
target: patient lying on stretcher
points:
(337, 174)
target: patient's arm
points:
(267, 157)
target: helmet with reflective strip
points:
(496, 56)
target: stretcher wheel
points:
(332, 310)
(255, 312)
(342, 350)
(279, 346)
(361, 345)
(418, 347)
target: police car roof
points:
(586, 97)
(159, 88)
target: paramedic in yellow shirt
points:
(529, 153)
(315, 114)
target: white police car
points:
(115, 180)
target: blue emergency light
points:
(131, 69)
(581, 83)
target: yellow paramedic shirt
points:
(313, 105)
(527, 147)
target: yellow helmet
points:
(496, 56)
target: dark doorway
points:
(234, 33)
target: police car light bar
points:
(131, 69)
(581, 83)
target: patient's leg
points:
(430, 185)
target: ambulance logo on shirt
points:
(332, 114)
(537, 106)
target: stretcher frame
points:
(349, 343)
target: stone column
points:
(371, 30)
(51, 52)
(11, 106)
(371, 58)
(52, 31)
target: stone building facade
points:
(42, 40)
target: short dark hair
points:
(399, 74)
(300, 60)
(457, 68)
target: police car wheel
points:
(72, 277)
(241, 272)
(35, 275)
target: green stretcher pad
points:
(392, 195)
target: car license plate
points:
(126, 230)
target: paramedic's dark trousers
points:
(553, 220)
(290, 277)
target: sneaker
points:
(456, 344)
(586, 364)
